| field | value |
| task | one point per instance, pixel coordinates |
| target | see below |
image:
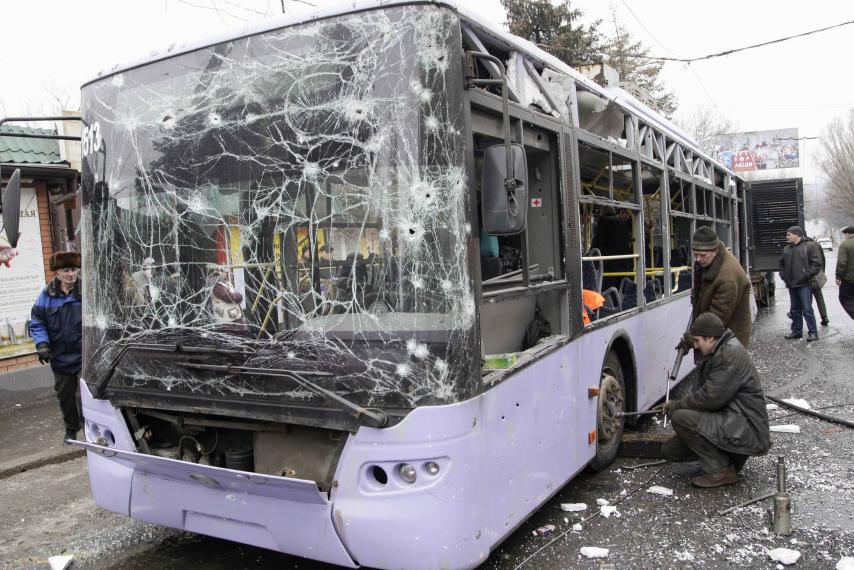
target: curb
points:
(36, 460)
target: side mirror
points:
(11, 205)
(504, 205)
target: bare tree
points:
(706, 125)
(64, 97)
(837, 162)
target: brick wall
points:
(18, 362)
(46, 227)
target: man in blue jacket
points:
(56, 326)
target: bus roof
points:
(615, 94)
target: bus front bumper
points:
(286, 515)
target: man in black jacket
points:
(800, 263)
(724, 420)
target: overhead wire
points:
(650, 34)
(693, 71)
(242, 7)
(716, 54)
(761, 44)
(214, 7)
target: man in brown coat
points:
(721, 286)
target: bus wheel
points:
(609, 421)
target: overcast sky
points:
(52, 46)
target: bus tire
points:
(611, 403)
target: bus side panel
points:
(655, 334)
(541, 422)
(538, 424)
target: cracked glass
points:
(293, 202)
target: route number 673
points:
(91, 139)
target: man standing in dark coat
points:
(799, 264)
(845, 271)
(720, 286)
(724, 420)
(56, 326)
(816, 290)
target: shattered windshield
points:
(296, 199)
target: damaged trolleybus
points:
(334, 271)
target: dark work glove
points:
(686, 343)
(45, 354)
(669, 407)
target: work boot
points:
(726, 476)
(793, 336)
(811, 337)
(69, 435)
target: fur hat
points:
(705, 239)
(709, 325)
(796, 230)
(64, 260)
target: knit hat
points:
(705, 239)
(708, 324)
(848, 230)
(796, 230)
(64, 260)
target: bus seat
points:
(649, 291)
(588, 276)
(597, 268)
(613, 302)
(628, 293)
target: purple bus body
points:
(500, 456)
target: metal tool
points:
(671, 378)
(747, 503)
(644, 465)
(656, 410)
(781, 515)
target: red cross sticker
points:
(536, 202)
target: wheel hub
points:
(611, 404)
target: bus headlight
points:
(407, 472)
(431, 468)
(99, 435)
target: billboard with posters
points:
(22, 282)
(758, 150)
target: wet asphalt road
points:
(49, 510)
